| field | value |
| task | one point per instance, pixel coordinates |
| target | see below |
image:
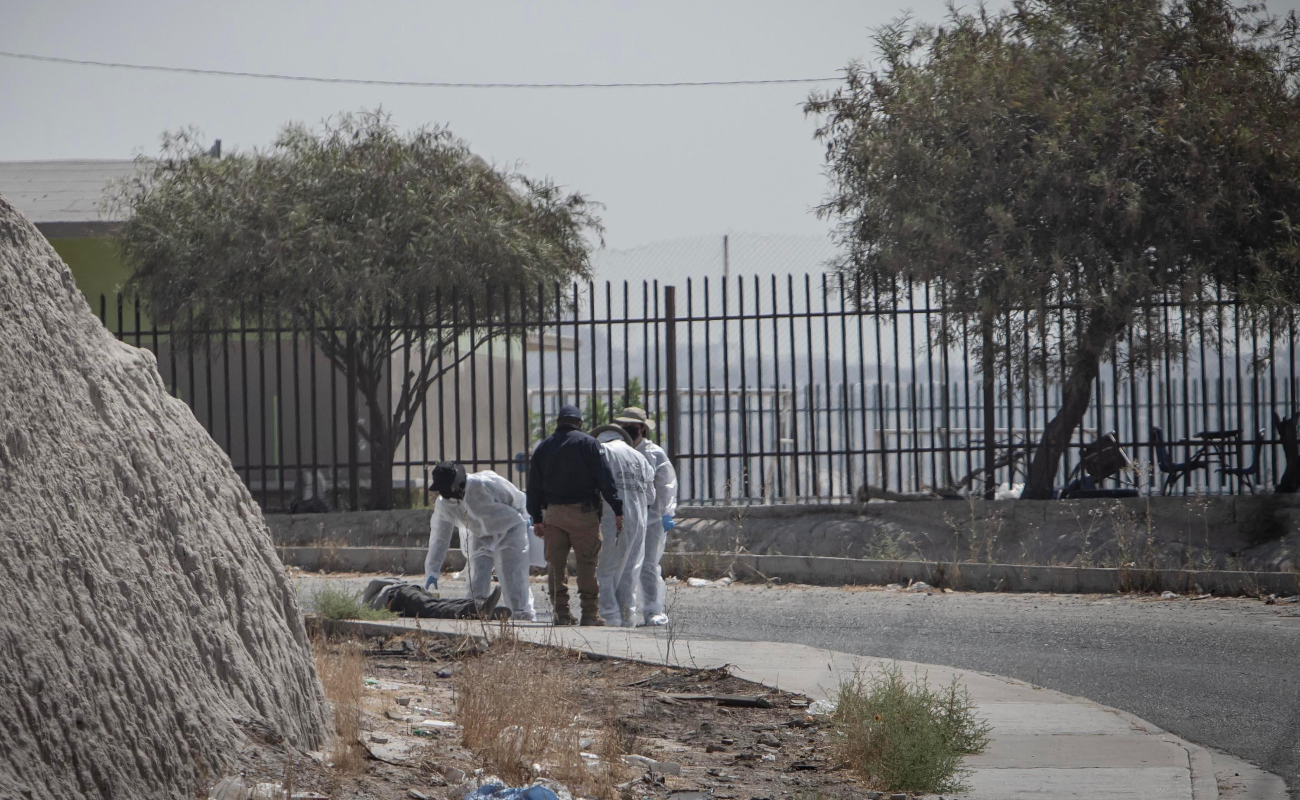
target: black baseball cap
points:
(569, 412)
(446, 476)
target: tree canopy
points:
(361, 234)
(1072, 160)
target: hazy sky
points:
(666, 162)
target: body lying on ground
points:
(409, 600)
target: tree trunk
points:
(350, 379)
(382, 448)
(1077, 395)
(988, 371)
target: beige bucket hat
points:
(634, 415)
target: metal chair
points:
(1247, 475)
(1173, 470)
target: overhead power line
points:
(423, 84)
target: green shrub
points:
(902, 736)
(336, 604)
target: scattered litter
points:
(1011, 492)
(404, 701)
(736, 700)
(435, 723)
(946, 590)
(799, 703)
(769, 740)
(688, 795)
(453, 775)
(371, 682)
(671, 580)
(589, 756)
(416, 794)
(701, 583)
(662, 767)
(586, 743)
(496, 791)
(821, 707)
(396, 717)
(1203, 597)
(237, 787)
(446, 672)
(919, 586)
(802, 766)
(455, 576)
(404, 648)
(894, 587)
(397, 752)
(1168, 596)
(720, 775)
(768, 757)
(428, 712)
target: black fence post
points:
(988, 375)
(674, 411)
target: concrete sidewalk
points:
(1044, 744)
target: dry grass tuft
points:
(342, 670)
(519, 706)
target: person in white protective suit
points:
(494, 523)
(659, 519)
(618, 567)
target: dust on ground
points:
(414, 742)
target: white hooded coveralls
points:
(619, 565)
(664, 504)
(494, 526)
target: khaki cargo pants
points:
(575, 527)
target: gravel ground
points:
(1219, 672)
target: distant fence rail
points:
(764, 389)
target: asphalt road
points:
(1224, 673)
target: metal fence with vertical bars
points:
(776, 388)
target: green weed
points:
(904, 736)
(332, 603)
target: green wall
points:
(97, 267)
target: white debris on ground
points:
(702, 583)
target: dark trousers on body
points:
(412, 601)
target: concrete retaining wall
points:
(393, 560)
(398, 528)
(1260, 532)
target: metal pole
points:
(673, 423)
(990, 411)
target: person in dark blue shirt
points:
(566, 481)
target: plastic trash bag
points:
(495, 791)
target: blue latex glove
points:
(432, 579)
(668, 522)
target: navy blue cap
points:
(569, 412)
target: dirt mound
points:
(143, 610)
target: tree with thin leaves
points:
(1074, 161)
(388, 248)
